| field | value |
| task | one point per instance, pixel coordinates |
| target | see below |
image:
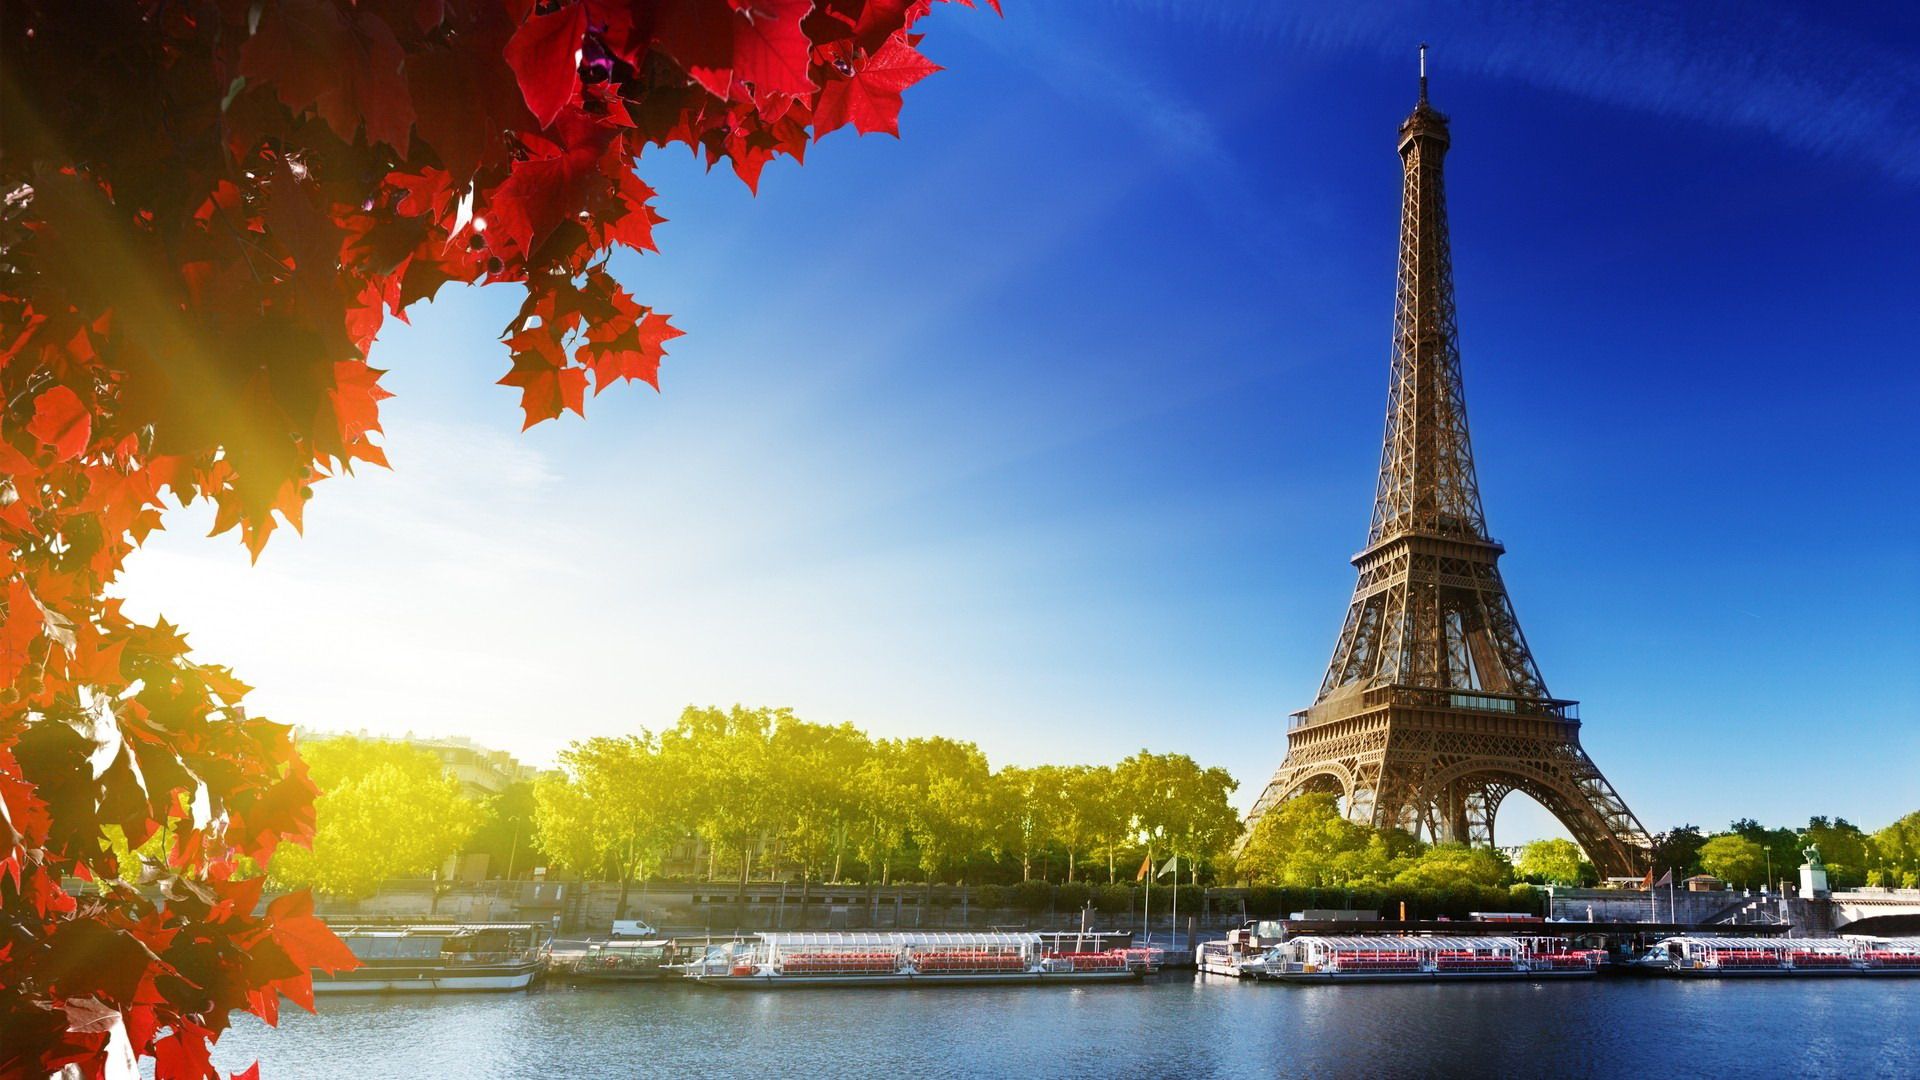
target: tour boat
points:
(486, 956)
(907, 959)
(614, 961)
(1407, 958)
(1698, 956)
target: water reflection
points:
(1172, 1027)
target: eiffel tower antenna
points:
(1432, 709)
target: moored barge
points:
(1407, 958)
(614, 961)
(907, 959)
(413, 958)
(1706, 956)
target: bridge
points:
(1882, 912)
(1886, 912)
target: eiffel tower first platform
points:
(1433, 710)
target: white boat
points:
(402, 959)
(1413, 958)
(1243, 953)
(1709, 956)
(907, 959)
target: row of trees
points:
(1307, 843)
(823, 802)
(762, 792)
(1749, 854)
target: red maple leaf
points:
(698, 35)
(543, 57)
(304, 938)
(547, 383)
(545, 190)
(770, 52)
(869, 98)
(348, 71)
(62, 422)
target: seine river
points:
(1177, 1025)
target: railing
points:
(1081, 962)
(957, 962)
(874, 962)
(1436, 698)
(474, 959)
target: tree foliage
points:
(1678, 850)
(1843, 848)
(1896, 851)
(1557, 862)
(1733, 859)
(387, 811)
(1177, 807)
(616, 806)
(207, 211)
(1307, 843)
(821, 801)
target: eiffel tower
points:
(1433, 710)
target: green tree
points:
(1178, 807)
(1032, 802)
(1733, 859)
(816, 770)
(1780, 848)
(1091, 816)
(1678, 849)
(949, 815)
(1896, 850)
(506, 832)
(387, 811)
(564, 828)
(1557, 862)
(626, 803)
(1843, 848)
(1446, 866)
(1307, 843)
(724, 761)
(882, 794)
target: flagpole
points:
(1146, 905)
(1174, 939)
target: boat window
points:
(417, 948)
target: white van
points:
(633, 928)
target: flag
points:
(1665, 879)
(1146, 864)
(1172, 866)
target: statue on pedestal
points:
(1813, 875)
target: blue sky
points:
(1053, 425)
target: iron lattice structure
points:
(1433, 710)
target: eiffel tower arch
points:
(1433, 710)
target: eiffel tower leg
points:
(1483, 802)
(1452, 812)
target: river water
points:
(1173, 1025)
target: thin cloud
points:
(1817, 86)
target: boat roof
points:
(422, 929)
(1383, 942)
(1778, 944)
(902, 938)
